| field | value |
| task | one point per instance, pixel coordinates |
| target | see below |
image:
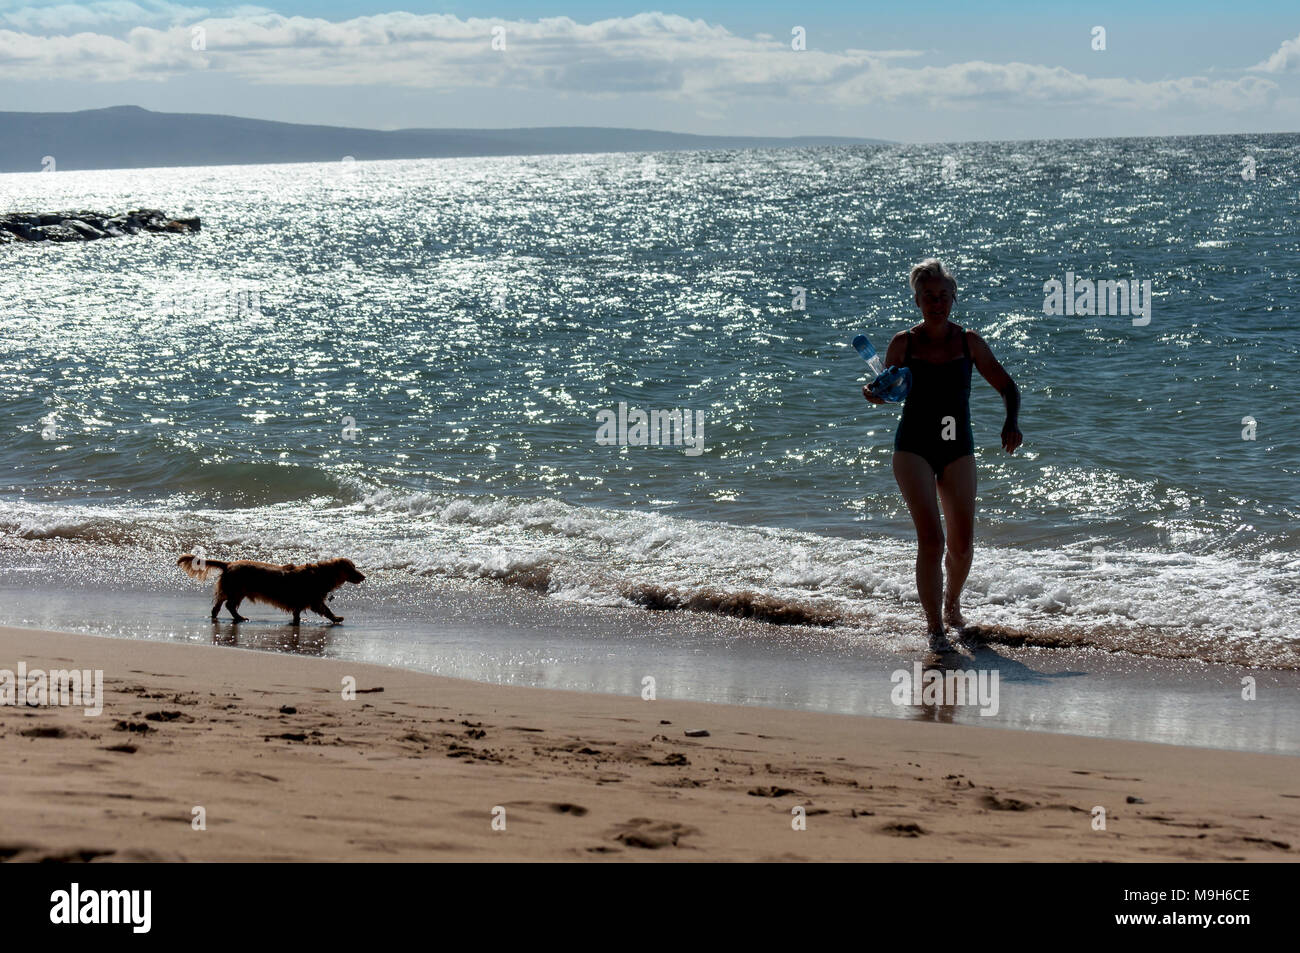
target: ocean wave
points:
(89, 529)
(1166, 604)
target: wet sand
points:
(285, 768)
(486, 632)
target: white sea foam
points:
(1162, 602)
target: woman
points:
(934, 446)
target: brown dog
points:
(292, 588)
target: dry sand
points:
(286, 769)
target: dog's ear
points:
(342, 571)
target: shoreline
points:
(287, 770)
(492, 634)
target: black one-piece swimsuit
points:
(939, 390)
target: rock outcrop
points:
(88, 226)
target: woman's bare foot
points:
(952, 615)
(939, 643)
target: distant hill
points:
(129, 137)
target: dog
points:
(291, 588)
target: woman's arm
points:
(1001, 381)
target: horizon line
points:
(865, 140)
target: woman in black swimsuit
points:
(934, 446)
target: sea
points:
(436, 368)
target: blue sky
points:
(915, 71)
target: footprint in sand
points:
(576, 810)
(557, 807)
(772, 791)
(1279, 844)
(995, 803)
(83, 855)
(672, 760)
(904, 830)
(51, 732)
(651, 834)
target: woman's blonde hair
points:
(932, 268)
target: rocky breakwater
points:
(88, 226)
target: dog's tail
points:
(200, 566)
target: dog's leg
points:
(233, 606)
(325, 611)
(217, 602)
(296, 614)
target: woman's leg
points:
(915, 479)
(957, 494)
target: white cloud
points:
(647, 53)
(1285, 60)
(63, 18)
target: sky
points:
(919, 71)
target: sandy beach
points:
(414, 767)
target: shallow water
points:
(486, 633)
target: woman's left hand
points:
(1011, 437)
